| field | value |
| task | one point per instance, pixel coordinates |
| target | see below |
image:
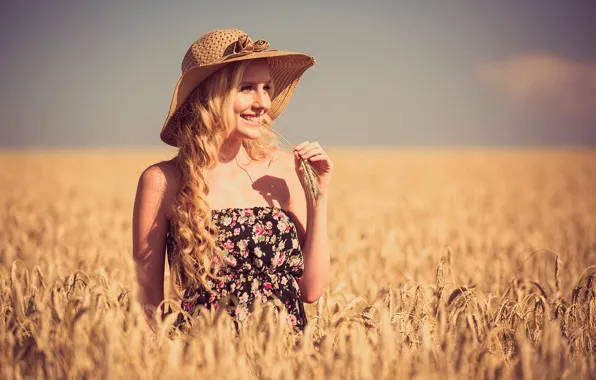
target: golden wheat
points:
(445, 264)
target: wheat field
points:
(445, 264)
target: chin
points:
(252, 136)
(249, 131)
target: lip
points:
(257, 122)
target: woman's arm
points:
(312, 217)
(316, 252)
(149, 229)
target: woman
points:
(231, 208)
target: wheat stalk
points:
(309, 175)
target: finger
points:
(298, 163)
(297, 160)
(319, 157)
(298, 147)
(324, 162)
(311, 153)
(310, 146)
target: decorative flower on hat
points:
(246, 45)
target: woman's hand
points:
(318, 159)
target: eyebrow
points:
(254, 83)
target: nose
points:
(262, 100)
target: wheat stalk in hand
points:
(309, 177)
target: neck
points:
(232, 149)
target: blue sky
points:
(404, 73)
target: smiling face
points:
(253, 100)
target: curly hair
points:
(204, 123)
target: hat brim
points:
(285, 69)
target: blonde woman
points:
(232, 212)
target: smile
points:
(254, 120)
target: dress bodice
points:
(263, 259)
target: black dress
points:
(263, 257)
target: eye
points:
(246, 88)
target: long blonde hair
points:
(205, 121)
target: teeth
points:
(252, 119)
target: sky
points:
(389, 73)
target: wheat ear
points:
(309, 177)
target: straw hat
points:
(220, 47)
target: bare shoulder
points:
(161, 179)
(161, 176)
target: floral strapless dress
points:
(263, 257)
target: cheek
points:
(241, 103)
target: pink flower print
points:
(236, 231)
(233, 223)
(258, 229)
(282, 226)
(243, 244)
(295, 261)
(231, 261)
(267, 286)
(292, 321)
(274, 260)
(228, 245)
(280, 258)
(241, 312)
(258, 252)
